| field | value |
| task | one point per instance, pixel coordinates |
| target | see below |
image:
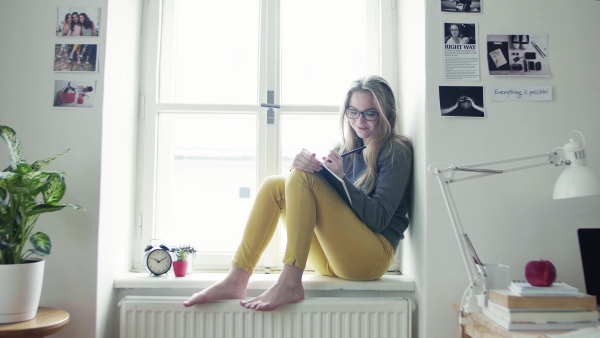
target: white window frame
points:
(382, 22)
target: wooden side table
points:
(47, 322)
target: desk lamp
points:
(575, 181)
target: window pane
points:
(323, 48)
(206, 179)
(315, 133)
(324, 135)
(209, 52)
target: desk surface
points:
(47, 321)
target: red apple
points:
(540, 273)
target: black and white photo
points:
(518, 55)
(464, 101)
(460, 34)
(461, 6)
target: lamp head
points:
(577, 180)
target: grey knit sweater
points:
(385, 209)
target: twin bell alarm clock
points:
(157, 259)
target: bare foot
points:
(287, 289)
(232, 287)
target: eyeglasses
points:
(369, 115)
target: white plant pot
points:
(20, 290)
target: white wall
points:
(411, 100)
(91, 245)
(511, 218)
(119, 156)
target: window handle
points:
(271, 105)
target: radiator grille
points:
(340, 317)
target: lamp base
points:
(474, 304)
(476, 295)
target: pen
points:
(538, 49)
(353, 151)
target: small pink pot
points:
(180, 268)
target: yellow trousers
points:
(321, 230)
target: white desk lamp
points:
(575, 181)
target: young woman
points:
(354, 243)
(66, 28)
(88, 27)
(75, 26)
(456, 37)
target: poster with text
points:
(461, 51)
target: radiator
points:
(318, 317)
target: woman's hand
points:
(335, 163)
(306, 161)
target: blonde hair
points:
(384, 133)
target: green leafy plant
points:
(182, 252)
(26, 192)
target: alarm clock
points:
(157, 259)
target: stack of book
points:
(557, 307)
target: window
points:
(207, 66)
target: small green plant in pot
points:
(26, 192)
(181, 253)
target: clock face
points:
(158, 262)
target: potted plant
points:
(26, 192)
(180, 264)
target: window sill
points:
(396, 284)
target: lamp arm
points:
(470, 258)
(474, 266)
(458, 229)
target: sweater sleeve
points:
(377, 209)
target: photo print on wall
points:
(74, 93)
(461, 6)
(461, 51)
(464, 101)
(75, 58)
(78, 21)
(518, 55)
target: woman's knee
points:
(272, 182)
(273, 187)
(296, 174)
(301, 178)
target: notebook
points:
(589, 246)
(337, 183)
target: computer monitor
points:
(589, 246)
